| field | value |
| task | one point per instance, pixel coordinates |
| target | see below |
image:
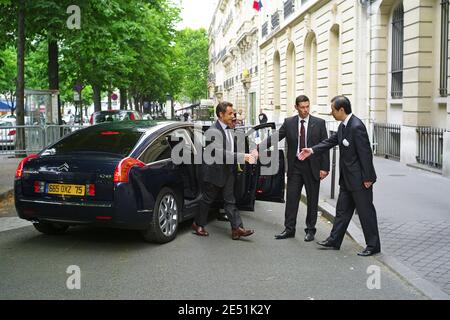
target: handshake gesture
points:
(306, 152)
(251, 157)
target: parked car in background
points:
(114, 115)
(68, 119)
(7, 133)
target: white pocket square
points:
(345, 142)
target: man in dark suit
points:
(219, 173)
(356, 177)
(300, 131)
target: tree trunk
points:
(53, 72)
(97, 98)
(130, 102)
(109, 97)
(136, 102)
(20, 84)
(123, 99)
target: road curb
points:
(353, 231)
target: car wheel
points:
(166, 215)
(50, 228)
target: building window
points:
(443, 79)
(288, 8)
(275, 20)
(397, 53)
(264, 29)
(311, 67)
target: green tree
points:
(192, 49)
(8, 72)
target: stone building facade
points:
(389, 57)
(234, 56)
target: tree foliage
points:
(131, 45)
(192, 50)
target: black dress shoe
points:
(309, 237)
(368, 252)
(285, 234)
(328, 245)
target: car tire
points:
(166, 216)
(51, 228)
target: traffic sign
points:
(78, 87)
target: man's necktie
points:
(302, 136)
(229, 138)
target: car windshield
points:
(116, 141)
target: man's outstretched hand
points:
(306, 152)
(254, 153)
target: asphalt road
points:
(117, 264)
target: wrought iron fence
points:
(430, 146)
(386, 139)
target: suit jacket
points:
(356, 160)
(218, 173)
(317, 132)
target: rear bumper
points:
(124, 212)
(101, 214)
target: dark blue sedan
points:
(121, 175)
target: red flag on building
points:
(257, 5)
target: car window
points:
(158, 150)
(184, 136)
(119, 142)
(255, 137)
(103, 117)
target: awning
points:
(4, 106)
(192, 106)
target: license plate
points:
(66, 189)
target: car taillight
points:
(12, 133)
(123, 168)
(39, 186)
(90, 190)
(132, 117)
(91, 119)
(19, 171)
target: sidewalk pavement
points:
(413, 210)
(8, 166)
